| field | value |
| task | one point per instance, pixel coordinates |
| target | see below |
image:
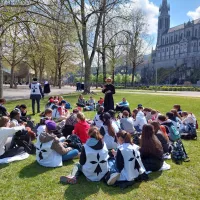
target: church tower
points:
(163, 21)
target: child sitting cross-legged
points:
(127, 164)
(50, 152)
(93, 159)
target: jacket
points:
(94, 159)
(140, 120)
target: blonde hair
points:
(3, 121)
(81, 116)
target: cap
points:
(51, 125)
(140, 106)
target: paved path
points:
(23, 92)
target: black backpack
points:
(191, 133)
(74, 142)
(178, 153)
(22, 139)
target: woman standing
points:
(108, 90)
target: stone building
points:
(176, 46)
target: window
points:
(194, 44)
(163, 41)
(167, 40)
(172, 48)
(172, 38)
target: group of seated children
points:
(104, 145)
(89, 105)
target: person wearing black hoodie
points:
(93, 160)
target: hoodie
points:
(56, 145)
(140, 120)
(81, 130)
(94, 144)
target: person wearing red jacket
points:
(81, 128)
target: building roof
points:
(179, 27)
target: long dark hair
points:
(106, 118)
(149, 142)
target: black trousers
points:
(13, 152)
(38, 105)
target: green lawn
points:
(27, 180)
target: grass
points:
(27, 180)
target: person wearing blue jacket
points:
(122, 105)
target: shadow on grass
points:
(4, 165)
(32, 170)
(155, 175)
(85, 189)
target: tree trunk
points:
(59, 77)
(103, 48)
(97, 77)
(87, 75)
(126, 70)
(12, 77)
(55, 77)
(1, 72)
(133, 72)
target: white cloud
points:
(150, 11)
(194, 14)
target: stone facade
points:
(176, 46)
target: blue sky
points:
(179, 9)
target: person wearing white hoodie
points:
(5, 133)
(140, 120)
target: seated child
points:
(127, 123)
(151, 149)
(81, 101)
(93, 159)
(5, 133)
(50, 152)
(97, 119)
(188, 122)
(90, 106)
(127, 164)
(100, 103)
(108, 131)
(3, 110)
(60, 113)
(178, 109)
(81, 128)
(121, 105)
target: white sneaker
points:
(113, 178)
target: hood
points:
(34, 82)
(83, 124)
(168, 122)
(46, 137)
(95, 144)
(140, 114)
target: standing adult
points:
(47, 89)
(36, 94)
(108, 90)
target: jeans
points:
(38, 105)
(112, 166)
(70, 155)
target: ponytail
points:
(125, 136)
(111, 131)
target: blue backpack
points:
(174, 134)
(68, 106)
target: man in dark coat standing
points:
(36, 94)
(108, 90)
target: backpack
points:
(68, 106)
(22, 139)
(191, 133)
(173, 133)
(74, 142)
(178, 153)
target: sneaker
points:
(68, 179)
(113, 178)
